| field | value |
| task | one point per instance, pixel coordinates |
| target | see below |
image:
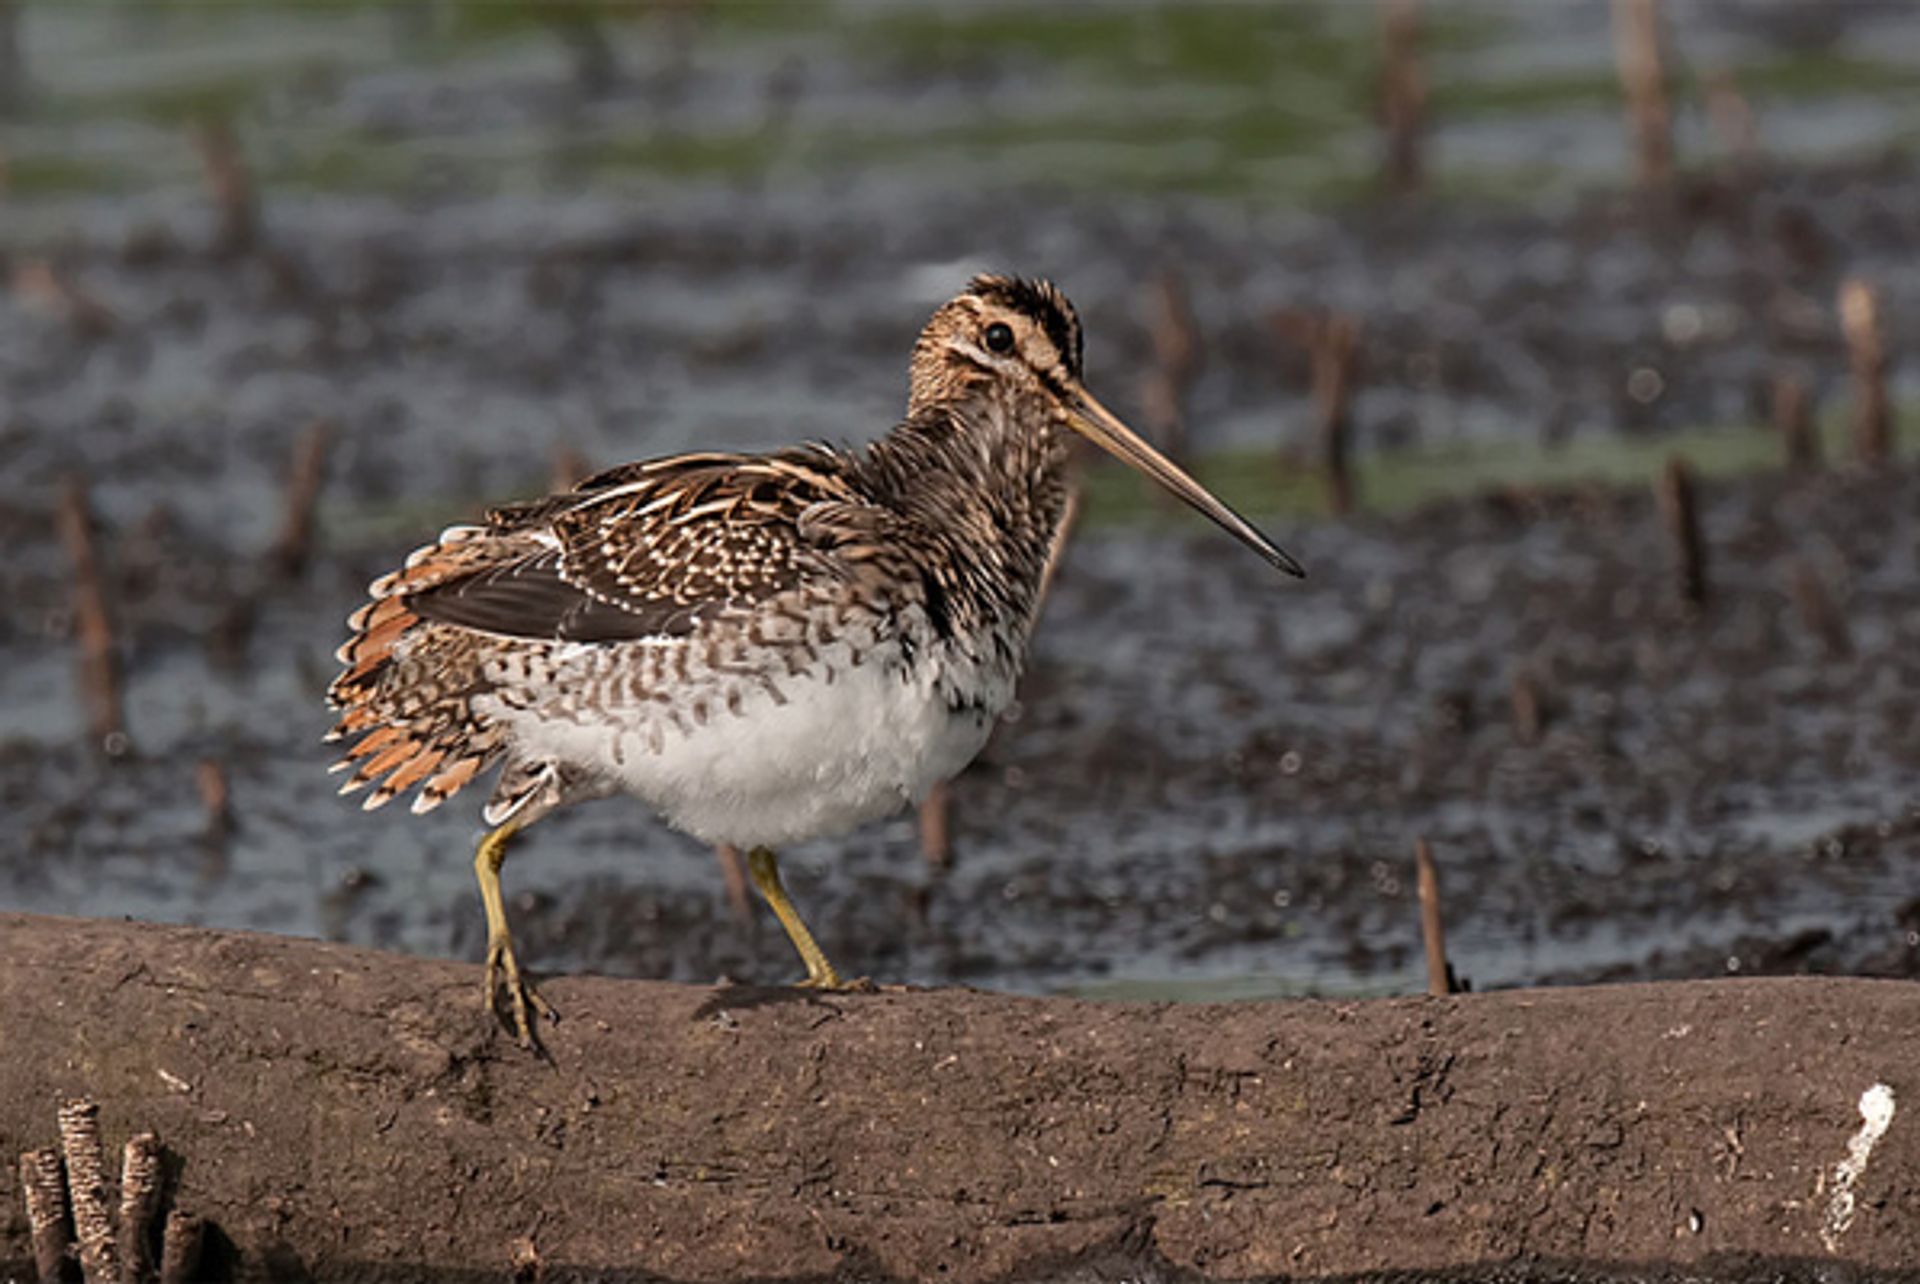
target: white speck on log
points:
(1876, 1113)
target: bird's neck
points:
(994, 451)
(981, 483)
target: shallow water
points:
(1215, 779)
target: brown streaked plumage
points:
(766, 648)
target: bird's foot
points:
(830, 981)
(504, 982)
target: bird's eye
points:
(999, 337)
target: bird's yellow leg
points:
(503, 969)
(765, 868)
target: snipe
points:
(765, 648)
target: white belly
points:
(816, 756)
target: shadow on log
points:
(342, 1114)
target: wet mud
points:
(1214, 780)
(340, 1114)
(476, 261)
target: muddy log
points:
(348, 1115)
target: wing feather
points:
(653, 549)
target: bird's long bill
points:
(1102, 427)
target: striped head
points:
(1002, 331)
(1017, 343)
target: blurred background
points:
(1569, 344)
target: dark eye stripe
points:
(1044, 305)
(1054, 378)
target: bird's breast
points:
(734, 736)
